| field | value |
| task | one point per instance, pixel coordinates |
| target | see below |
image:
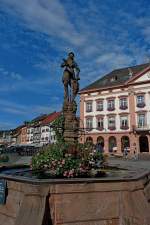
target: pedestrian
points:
(126, 152)
(135, 155)
(99, 147)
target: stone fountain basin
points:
(117, 200)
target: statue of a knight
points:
(70, 76)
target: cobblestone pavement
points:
(129, 163)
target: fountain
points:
(31, 197)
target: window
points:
(124, 122)
(140, 101)
(111, 123)
(43, 130)
(114, 78)
(88, 106)
(46, 138)
(100, 123)
(47, 129)
(141, 120)
(111, 104)
(99, 105)
(123, 103)
(89, 123)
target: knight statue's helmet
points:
(71, 54)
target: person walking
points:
(126, 153)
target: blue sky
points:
(35, 36)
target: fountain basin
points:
(78, 201)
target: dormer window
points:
(114, 78)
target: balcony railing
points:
(111, 108)
(89, 129)
(112, 127)
(89, 110)
(99, 109)
(100, 128)
(140, 105)
(124, 127)
(123, 107)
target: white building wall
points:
(47, 135)
(30, 135)
(104, 95)
(144, 88)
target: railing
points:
(111, 108)
(123, 107)
(140, 105)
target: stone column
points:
(134, 143)
(106, 144)
(118, 138)
(132, 109)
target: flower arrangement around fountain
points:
(65, 160)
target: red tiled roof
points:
(51, 117)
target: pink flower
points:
(63, 161)
(65, 174)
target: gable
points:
(144, 77)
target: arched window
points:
(100, 140)
(112, 143)
(89, 140)
(125, 143)
(143, 142)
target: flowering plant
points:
(67, 160)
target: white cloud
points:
(114, 60)
(15, 76)
(45, 16)
(100, 42)
(10, 75)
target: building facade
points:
(5, 137)
(115, 110)
(48, 135)
(30, 130)
(23, 135)
(40, 131)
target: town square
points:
(75, 112)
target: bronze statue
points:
(70, 77)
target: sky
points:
(35, 35)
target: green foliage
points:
(67, 160)
(58, 126)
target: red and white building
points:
(115, 110)
(40, 130)
(48, 135)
